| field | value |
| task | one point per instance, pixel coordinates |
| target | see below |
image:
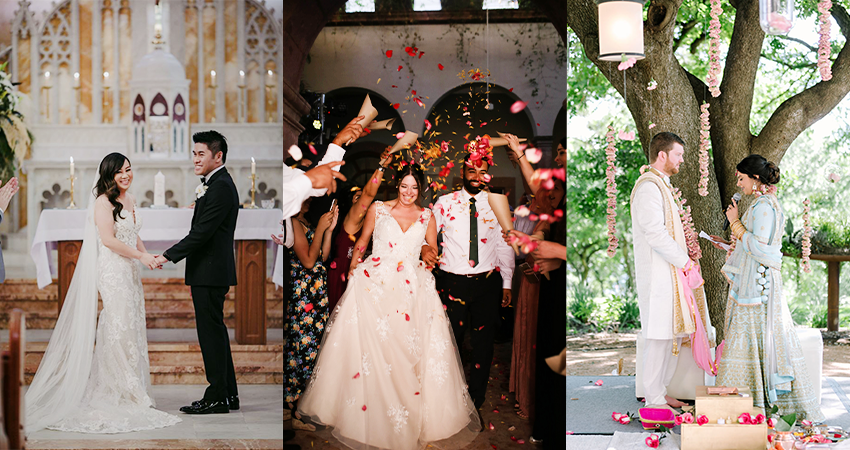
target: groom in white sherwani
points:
(659, 249)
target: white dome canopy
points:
(160, 66)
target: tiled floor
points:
(259, 420)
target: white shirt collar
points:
(209, 175)
(466, 195)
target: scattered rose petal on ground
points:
(440, 66)
(389, 53)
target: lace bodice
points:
(126, 229)
(390, 242)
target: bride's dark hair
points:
(415, 170)
(106, 185)
(754, 165)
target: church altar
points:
(163, 227)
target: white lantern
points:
(776, 16)
(620, 29)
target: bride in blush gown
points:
(388, 374)
(102, 388)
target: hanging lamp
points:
(776, 16)
(620, 29)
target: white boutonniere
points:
(200, 191)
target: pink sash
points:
(691, 279)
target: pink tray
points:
(650, 418)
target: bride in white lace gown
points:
(102, 388)
(388, 374)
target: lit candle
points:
(241, 78)
(212, 78)
(253, 166)
(106, 79)
(72, 167)
(47, 79)
(76, 79)
(270, 81)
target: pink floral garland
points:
(714, 49)
(705, 141)
(807, 237)
(733, 241)
(694, 251)
(611, 189)
(823, 44)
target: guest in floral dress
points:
(308, 311)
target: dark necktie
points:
(204, 181)
(473, 232)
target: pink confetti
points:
(533, 155)
(598, 383)
(399, 135)
(333, 264)
(482, 124)
(471, 263)
(487, 177)
(491, 426)
(400, 268)
(312, 149)
(427, 125)
(518, 106)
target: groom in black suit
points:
(211, 269)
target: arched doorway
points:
(461, 114)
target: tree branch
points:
(686, 28)
(789, 65)
(807, 107)
(799, 41)
(696, 43)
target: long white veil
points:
(60, 382)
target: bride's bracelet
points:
(738, 229)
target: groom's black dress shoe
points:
(232, 403)
(207, 407)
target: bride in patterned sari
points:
(762, 350)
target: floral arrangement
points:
(823, 43)
(694, 251)
(16, 140)
(611, 190)
(747, 419)
(714, 49)
(624, 419)
(705, 141)
(807, 237)
(765, 189)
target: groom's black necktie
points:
(204, 181)
(473, 232)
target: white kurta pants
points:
(659, 364)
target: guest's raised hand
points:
(514, 236)
(335, 217)
(7, 192)
(350, 133)
(513, 144)
(325, 222)
(324, 177)
(385, 158)
(548, 249)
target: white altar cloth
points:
(158, 226)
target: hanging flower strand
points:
(807, 237)
(694, 251)
(714, 49)
(823, 43)
(704, 142)
(611, 189)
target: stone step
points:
(182, 363)
(168, 304)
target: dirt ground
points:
(598, 354)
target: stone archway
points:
(301, 26)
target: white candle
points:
(106, 79)
(270, 81)
(47, 79)
(212, 78)
(72, 167)
(241, 78)
(76, 79)
(159, 189)
(253, 166)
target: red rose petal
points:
(440, 66)
(333, 264)
(483, 240)
(389, 53)
(357, 375)
(420, 54)
(416, 393)
(407, 317)
(413, 92)
(399, 69)
(364, 408)
(491, 426)
(366, 272)
(312, 149)
(308, 307)
(478, 366)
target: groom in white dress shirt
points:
(654, 226)
(475, 269)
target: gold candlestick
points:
(72, 205)
(253, 179)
